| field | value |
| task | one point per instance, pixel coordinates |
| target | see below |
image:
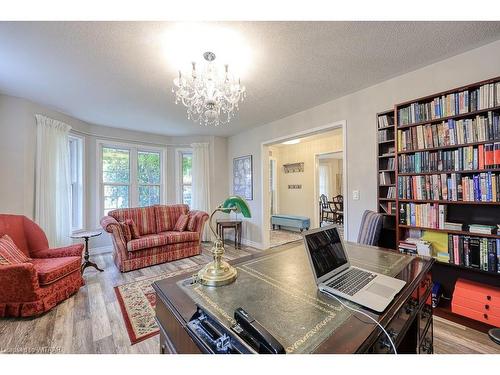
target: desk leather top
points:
(280, 292)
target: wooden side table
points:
(86, 235)
(222, 225)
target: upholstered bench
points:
(290, 221)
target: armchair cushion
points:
(52, 269)
(66, 251)
(10, 253)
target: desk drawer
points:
(478, 292)
(480, 306)
(485, 317)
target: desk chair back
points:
(371, 226)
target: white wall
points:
(359, 109)
(17, 158)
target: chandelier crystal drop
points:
(211, 97)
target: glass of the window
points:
(149, 177)
(116, 178)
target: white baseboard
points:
(250, 243)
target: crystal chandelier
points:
(210, 97)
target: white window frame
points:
(179, 185)
(134, 149)
(81, 183)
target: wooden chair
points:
(326, 212)
(371, 226)
(338, 208)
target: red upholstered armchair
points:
(51, 276)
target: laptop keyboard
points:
(352, 281)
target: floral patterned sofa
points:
(157, 241)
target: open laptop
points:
(334, 274)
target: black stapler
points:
(254, 334)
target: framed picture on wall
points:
(243, 177)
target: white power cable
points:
(365, 314)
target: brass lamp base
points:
(217, 275)
(218, 272)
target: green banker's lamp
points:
(218, 272)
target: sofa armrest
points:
(197, 220)
(107, 223)
(19, 282)
(66, 251)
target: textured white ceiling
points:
(118, 73)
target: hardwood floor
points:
(91, 320)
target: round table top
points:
(87, 234)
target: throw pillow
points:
(181, 224)
(10, 253)
(126, 230)
(193, 221)
(133, 229)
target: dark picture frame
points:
(243, 177)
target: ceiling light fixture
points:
(292, 142)
(210, 96)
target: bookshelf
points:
(386, 177)
(447, 170)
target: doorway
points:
(290, 177)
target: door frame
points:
(316, 180)
(264, 148)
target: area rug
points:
(137, 301)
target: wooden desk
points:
(278, 289)
(222, 225)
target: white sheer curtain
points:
(324, 180)
(201, 181)
(52, 195)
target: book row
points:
(385, 135)
(482, 187)
(475, 252)
(468, 158)
(384, 121)
(391, 192)
(450, 133)
(428, 215)
(484, 97)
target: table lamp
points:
(218, 272)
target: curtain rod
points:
(73, 130)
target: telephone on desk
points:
(245, 337)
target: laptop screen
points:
(326, 250)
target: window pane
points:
(148, 167)
(187, 160)
(115, 165)
(115, 197)
(186, 194)
(149, 195)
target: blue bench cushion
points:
(292, 221)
